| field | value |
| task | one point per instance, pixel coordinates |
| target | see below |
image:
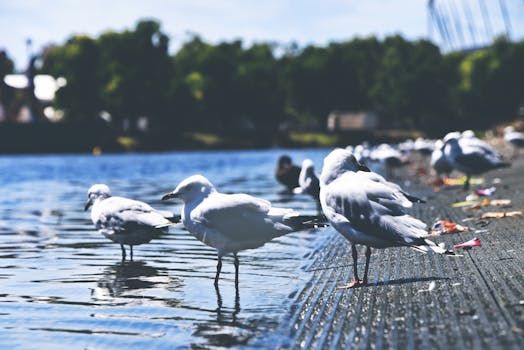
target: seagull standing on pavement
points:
(515, 138)
(308, 180)
(123, 220)
(232, 222)
(438, 160)
(471, 155)
(366, 209)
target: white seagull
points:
(123, 220)
(232, 222)
(366, 209)
(471, 155)
(308, 180)
(515, 138)
(438, 161)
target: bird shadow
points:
(400, 281)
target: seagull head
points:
(338, 162)
(284, 162)
(193, 188)
(454, 135)
(97, 191)
(308, 167)
(468, 133)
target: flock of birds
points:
(359, 203)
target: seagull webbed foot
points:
(353, 284)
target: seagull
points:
(438, 161)
(287, 173)
(366, 209)
(471, 155)
(308, 180)
(424, 146)
(123, 220)
(389, 156)
(515, 138)
(232, 222)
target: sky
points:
(283, 21)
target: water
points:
(64, 285)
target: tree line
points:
(231, 86)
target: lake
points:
(64, 285)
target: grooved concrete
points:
(477, 301)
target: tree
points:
(78, 60)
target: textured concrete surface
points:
(422, 301)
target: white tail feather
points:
(431, 247)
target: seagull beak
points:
(169, 196)
(88, 204)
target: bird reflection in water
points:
(228, 330)
(236, 310)
(128, 279)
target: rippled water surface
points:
(64, 285)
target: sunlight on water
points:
(64, 285)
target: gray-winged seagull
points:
(123, 220)
(366, 209)
(232, 222)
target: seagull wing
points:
(242, 217)
(121, 214)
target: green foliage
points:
(229, 86)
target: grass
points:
(206, 138)
(313, 139)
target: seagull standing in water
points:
(123, 220)
(287, 173)
(232, 222)
(366, 209)
(471, 155)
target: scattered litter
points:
(478, 205)
(499, 215)
(399, 318)
(463, 203)
(517, 330)
(462, 181)
(500, 202)
(431, 286)
(482, 223)
(441, 182)
(481, 231)
(456, 284)
(496, 181)
(485, 191)
(446, 227)
(504, 203)
(475, 242)
(472, 197)
(469, 312)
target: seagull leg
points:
(219, 268)
(466, 183)
(131, 254)
(364, 280)
(356, 280)
(236, 269)
(123, 251)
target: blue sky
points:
(283, 21)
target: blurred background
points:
(97, 76)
